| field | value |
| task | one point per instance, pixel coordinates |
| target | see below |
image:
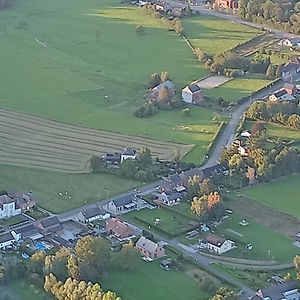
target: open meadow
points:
(282, 195)
(150, 282)
(45, 185)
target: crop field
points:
(29, 141)
(46, 185)
(237, 88)
(213, 35)
(281, 195)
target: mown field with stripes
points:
(30, 141)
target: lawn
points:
(282, 132)
(170, 222)
(236, 88)
(22, 290)
(150, 282)
(283, 194)
(213, 35)
(267, 244)
(45, 185)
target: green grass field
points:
(150, 282)
(82, 188)
(213, 35)
(282, 132)
(283, 195)
(267, 244)
(237, 88)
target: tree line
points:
(280, 14)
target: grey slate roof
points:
(129, 151)
(29, 229)
(123, 200)
(276, 292)
(214, 170)
(50, 222)
(92, 212)
(6, 237)
(194, 88)
(280, 93)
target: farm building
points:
(192, 94)
(149, 248)
(217, 244)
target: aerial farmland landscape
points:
(149, 149)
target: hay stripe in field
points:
(34, 142)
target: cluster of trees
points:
(284, 113)
(281, 14)
(267, 162)
(69, 272)
(225, 294)
(206, 201)
(73, 289)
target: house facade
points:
(8, 207)
(92, 214)
(120, 205)
(49, 226)
(227, 3)
(128, 153)
(170, 198)
(149, 248)
(280, 96)
(217, 244)
(192, 94)
(6, 240)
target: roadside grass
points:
(169, 222)
(150, 282)
(213, 35)
(267, 244)
(282, 194)
(12, 220)
(21, 289)
(45, 185)
(236, 89)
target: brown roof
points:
(214, 240)
(118, 228)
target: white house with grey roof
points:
(192, 94)
(6, 240)
(128, 153)
(122, 204)
(92, 214)
(8, 207)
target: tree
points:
(140, 30)
(164, 95)
(36, 262)
(206, 186)
(213, 199)
(225, 294)
(199, 205)
(72, 266)
(178, 27)
(144, 157)
(154, 80)
(294, 121)
(164, 76)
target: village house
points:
(114, 159)
(49, 226)
(291, 89)
(192, 94)
(293, 42)
(119, 229)
(123, 204)
(149, 249)
(216, 170)
(168, 84)
(162, 7)
(25, 201)
(288, 290)
(226, 3)
(290, 70)
(280, 96)
(8, 207)
(27, 232)
(170, 198)
(217, 244)
(6, 240)
(92, 214)
(128, 153)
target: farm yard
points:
(29, 141)
(46, 185)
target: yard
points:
(236, 89)
(150, 282)
(45, 185)
(282, 195)
(160, 219)
(213, 35)
(267, 244)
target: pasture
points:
(267, 244)
(236, 88)
(148, 282)
(46, 186)
(282, 195)
(29, 141)
(213, 35)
